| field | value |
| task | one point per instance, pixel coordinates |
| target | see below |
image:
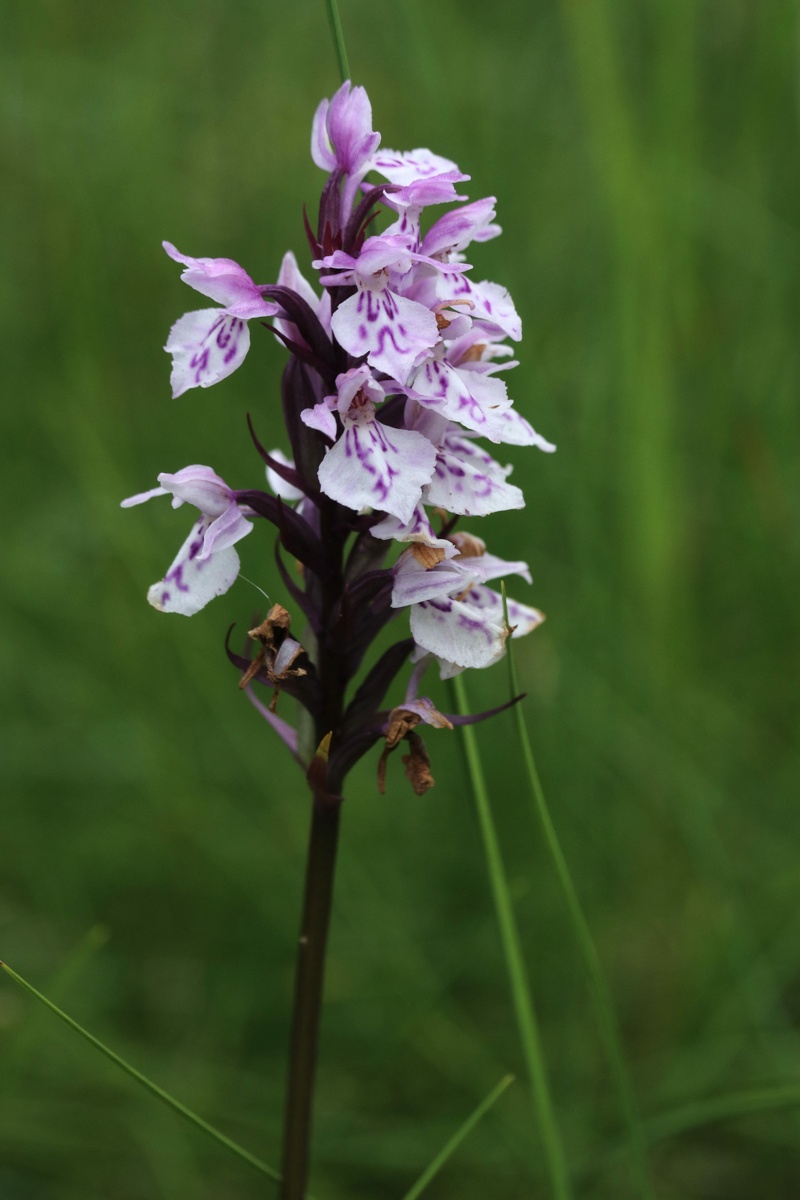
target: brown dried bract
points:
(272, 633)
(468, 545)
(276, 618)
(418, 765)
(474, 354)
(427, 556)
(402, 723)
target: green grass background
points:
(645, 158)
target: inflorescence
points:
(393, 375)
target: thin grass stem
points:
(512, 950)
(151, 1087)
(713, 1109)
(338, 39)
(601, 998)
(455, 1141)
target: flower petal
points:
(140, 497)
(191, 582)
(491, 303)
(418, 529)
(278, 485)
(458, 229)
(472, 399)
(376, 466)
(228, 528)
(290, 276)
(199, 486)
(522, 618)
(225, 282)
(457, 632)
(413, 583)
(460, 486)
(405, 168)
(391, 330)
(320, 417)
(206, 346)
(342, 135)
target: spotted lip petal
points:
(193, 580)
(372, 465)
(206, 564)
(206, 346)
(458, 632)
(389, 329)
(409, 167)
(461, 487)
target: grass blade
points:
(509, 936)
(601, 998)
(455, 1141)
(151, 1087)
(721, 1108)
(338, 39)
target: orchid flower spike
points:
(395, 378)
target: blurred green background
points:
(644, 156)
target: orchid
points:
(397, 361)
(206, 564)
(395, 376)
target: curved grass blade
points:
(455, 1141)
(151, 1087)
(512, 950)
(601, 998)
(721, 1108)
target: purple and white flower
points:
(206, 564)
(371, 465)
(210, 344)
(454, 616)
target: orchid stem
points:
(338, 40)
(309, 980)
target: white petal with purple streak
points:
(491, 303)
(457, 632)
(206, 346)
(522, 618)
(471, 399)
(373, 465)
(191, 582)
(391, 330)
(405, 167)
(418, 529)
(461, 487)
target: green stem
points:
(520, 991)
(151, 1087)
(604, 1009)
(338, 40)
(309, 981)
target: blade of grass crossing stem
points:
(151, 1087)
(509, 936)
(455, 1141)
(601, 999)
